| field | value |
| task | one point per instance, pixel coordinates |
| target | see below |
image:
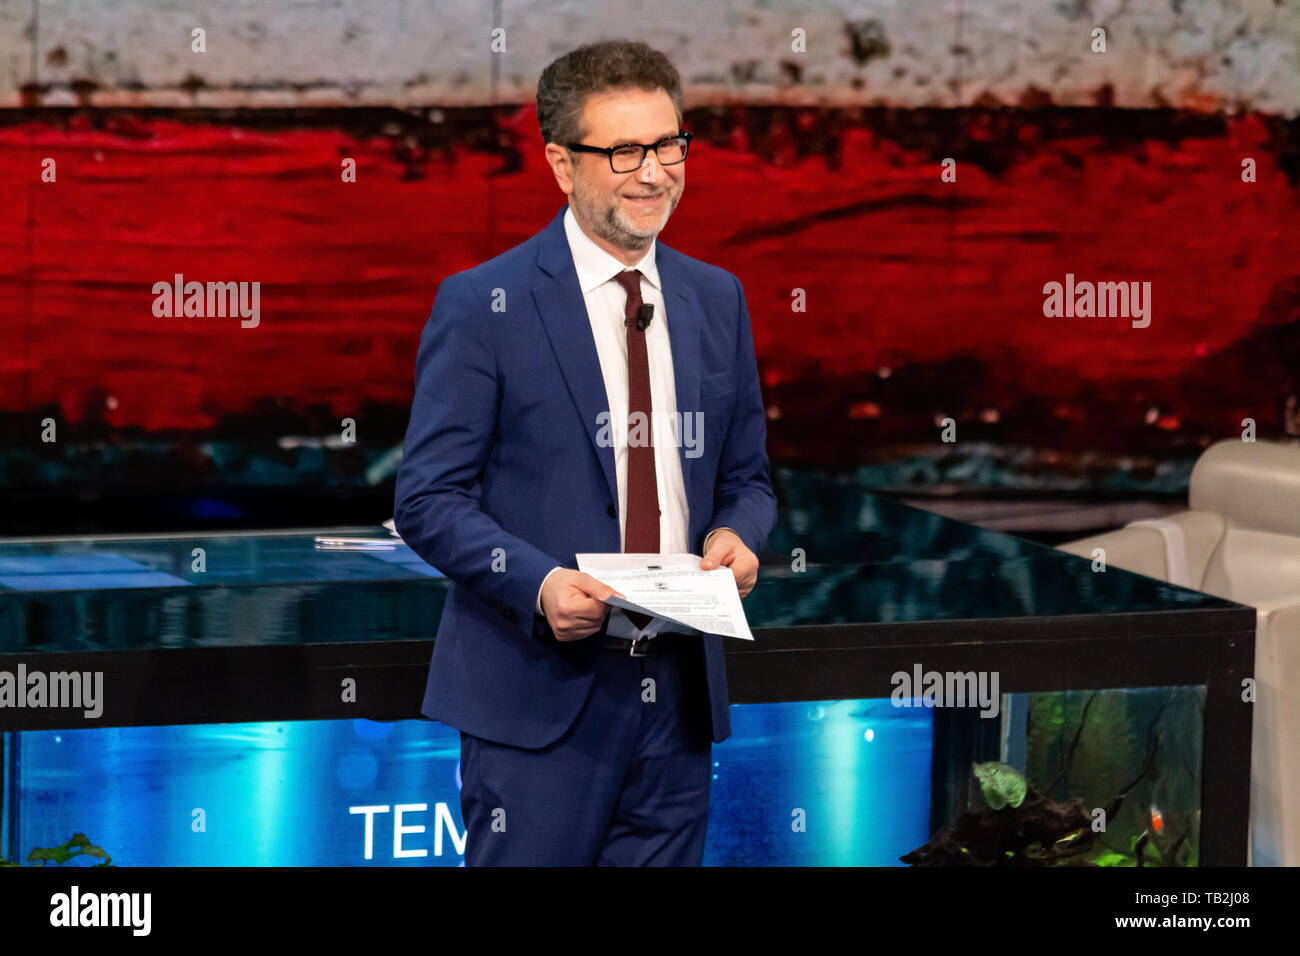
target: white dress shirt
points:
(606, 301)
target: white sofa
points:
(1240, 540)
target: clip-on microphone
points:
(645, 316)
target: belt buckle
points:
(643, 644)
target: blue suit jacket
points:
(503, 478)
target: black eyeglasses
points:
(629, 157)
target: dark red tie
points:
(641, 529)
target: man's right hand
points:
(573, 604)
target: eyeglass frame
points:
(608, 151)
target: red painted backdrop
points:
(940, 283)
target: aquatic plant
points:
(78, 845)
(1022, 826)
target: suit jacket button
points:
(609, 510)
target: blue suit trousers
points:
(627, 784)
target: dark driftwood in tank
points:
(1038, 832)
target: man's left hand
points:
(727, 550)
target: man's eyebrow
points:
(628, 142)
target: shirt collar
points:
(594, 265)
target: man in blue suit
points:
(585, 735)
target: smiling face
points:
(621, 212)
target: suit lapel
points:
(564, 316)
(685, 319)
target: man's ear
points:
(561, 166)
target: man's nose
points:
(649, 171)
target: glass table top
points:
(837, 556)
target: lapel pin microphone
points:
(645, 316)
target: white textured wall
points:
(1203, 54)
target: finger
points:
(576, 628)
(595, 615)
(592, 588)
(596, 608)
(587, 628)
(586, 611)
(716, 558)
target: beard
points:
(608, 219)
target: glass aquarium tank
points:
(803, 783)
(1105, 778)
(1083, 778)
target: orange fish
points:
(1157, 819)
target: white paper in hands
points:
(672, 587)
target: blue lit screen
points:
(801, 783)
